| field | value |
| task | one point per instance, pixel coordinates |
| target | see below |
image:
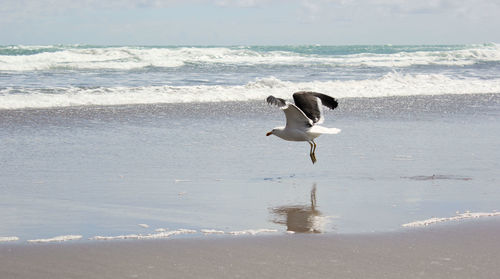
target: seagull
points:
(302, 118)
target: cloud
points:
(311, 7)
(314, 10)
(54, 6)
(265, 20)
(19, 10)
(48, 7)
(15, 11)
(241, 3)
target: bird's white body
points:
(294, 134)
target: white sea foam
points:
(128, 236)
(252, 232)
(460, 57)
(392, 84)
(56, 239)
(167, 234)
(158, 235)
(8, 238)
(122, 58)
(128, 58)
(163, 233)
(209, 231)
(459, 216)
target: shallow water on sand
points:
(104, 170)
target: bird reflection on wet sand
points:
(300, 218)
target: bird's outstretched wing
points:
(310, 103)
(295, 118)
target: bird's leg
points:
(314, 151)
(311, 152)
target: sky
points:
(248, 22)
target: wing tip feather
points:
(276, 101)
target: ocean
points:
(117, 142)
(63, 76)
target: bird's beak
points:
(270, 133)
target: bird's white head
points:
(276, 131)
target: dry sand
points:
(465, 250)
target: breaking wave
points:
(391, 84)
(36, 58)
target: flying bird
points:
(302, 118)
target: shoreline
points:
(465, 250)
(262, 105)
(204, 234)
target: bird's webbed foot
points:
(313, 157)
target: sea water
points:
(61, 76)
(114, 141)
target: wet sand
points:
(102, 171)
(461, 250)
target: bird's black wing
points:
(308, 103)
(276, 101)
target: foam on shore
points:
(60, 238)
(158, 235)
(210, 231)
(164, 233)
(252, 232)
(8, 238)
(460, 216)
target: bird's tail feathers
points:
(325, 130)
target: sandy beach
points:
(460, 250)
